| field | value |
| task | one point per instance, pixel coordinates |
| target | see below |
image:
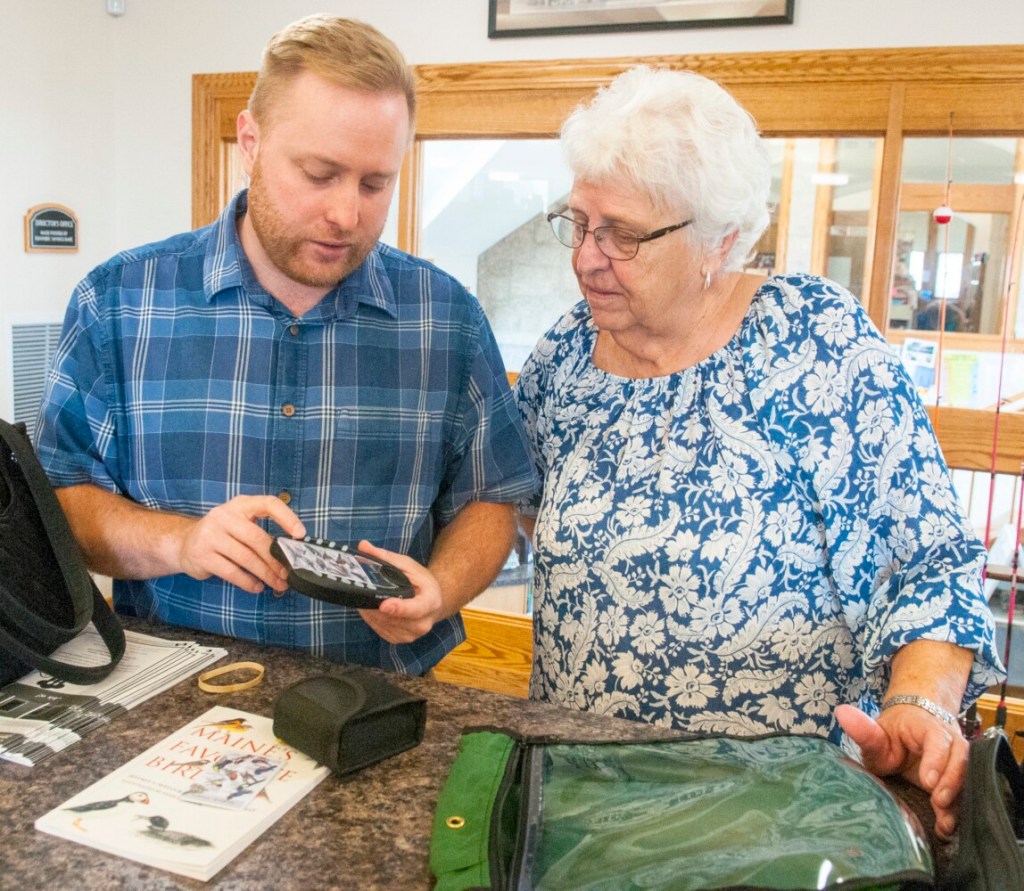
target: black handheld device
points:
(339, 573)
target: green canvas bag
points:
(778, 812)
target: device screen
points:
(336, 565)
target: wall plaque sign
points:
(51, 227)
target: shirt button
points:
(286, 497)
(293, 329)
(288, 409)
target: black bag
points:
(46, 594)
(991, 830)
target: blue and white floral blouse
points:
(743, 545)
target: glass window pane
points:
(954, 274)
(978, 159)
(484, 220)
(822, 201)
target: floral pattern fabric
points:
(743, 545)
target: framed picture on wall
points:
(528, 18)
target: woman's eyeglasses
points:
(613, 242)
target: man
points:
(280, 368)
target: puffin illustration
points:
(102, 807)
(159, 828)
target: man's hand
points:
(908, 741)
(401, 621)
(227, 543)
(124, 540)
(467, 556)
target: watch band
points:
(921, 702)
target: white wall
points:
(95, 111)
(56, 110)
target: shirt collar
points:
(226, 267)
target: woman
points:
(746, 525)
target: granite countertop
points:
(370, 830)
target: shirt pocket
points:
(392, 451)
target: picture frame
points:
(534, 18)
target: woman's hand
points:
(908, 741)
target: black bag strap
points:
(85, 599)
(110, 631)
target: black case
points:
(349, 720)
(46, 594)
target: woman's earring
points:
(707, 279)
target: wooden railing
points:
(496, 654)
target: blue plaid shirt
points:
(180, 383)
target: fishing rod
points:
(999, 724)
(1000, 720)
(942, 215)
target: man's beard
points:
(285, 249)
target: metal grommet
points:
(455, 822)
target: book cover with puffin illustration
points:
(195, 800)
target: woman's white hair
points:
(684, 142)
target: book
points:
(41, 715)
(195, 800)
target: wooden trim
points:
(876, 300)
(823, 214)
(789, 93)
(496, 655)
(994, 109)
(955, 340)
(965, 197)
(785, 209)
(962, 64)
(872, 239)
(966, 436)
(216, 101)
(826, 92)
(410, 199)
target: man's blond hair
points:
(344, 52)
